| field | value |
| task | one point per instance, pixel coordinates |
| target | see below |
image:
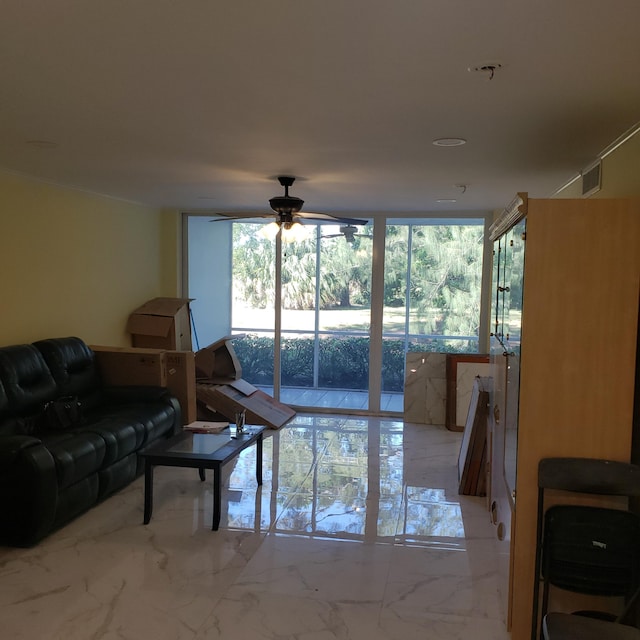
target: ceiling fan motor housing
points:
(286, 204)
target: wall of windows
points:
(326, 321)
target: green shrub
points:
(343, 362)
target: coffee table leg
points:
(217, 496)
(259, 459)
(148, 491)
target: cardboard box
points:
(123, 366)
(174, 370)
(180, 373)
(161, 323)
(218, 362)
(227, 399)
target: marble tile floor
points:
(358, 533)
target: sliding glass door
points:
(320, 331)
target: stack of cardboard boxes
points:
(161, 354)
(208, 384)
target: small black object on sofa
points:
(49, 474)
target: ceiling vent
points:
(591, 179)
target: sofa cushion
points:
(76, 455)
(73, 366)
(156, 419)
(152, 407)
(121, 436)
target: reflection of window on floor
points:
(343, 482)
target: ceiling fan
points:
(287, 211)
(349, 233)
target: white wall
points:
(209, 278)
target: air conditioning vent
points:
(591, 179)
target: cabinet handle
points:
(496, 413)
(503, 289)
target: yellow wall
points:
(74, 263)
(620, 171)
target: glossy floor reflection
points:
(357, 533)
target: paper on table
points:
(205, 427)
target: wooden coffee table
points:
(200, 451)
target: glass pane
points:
(396, 261)
(253, 292)
(344, 362)
(446, 278)
(432, 289)
(297, 353)
(299, 283)
(201, 443)
(345, 279)
(393, 357)
(255, 352)
(253, 298)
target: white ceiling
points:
(198, 104)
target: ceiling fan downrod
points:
(286, 205)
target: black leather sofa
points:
(49, 476)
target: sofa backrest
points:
(26, 379)
(72, 364)
(5, 427)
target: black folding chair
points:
(586, 549)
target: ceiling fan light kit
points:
(289, 217)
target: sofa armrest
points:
(11, 446)
(28, 490)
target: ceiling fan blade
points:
(325, 217)
(227, 217)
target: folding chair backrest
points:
(592, 550)
(589, 550)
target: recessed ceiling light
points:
(449, 142)
(42, 144)
(446, 200)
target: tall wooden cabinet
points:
(563, 358)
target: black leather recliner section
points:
(28, 384)
(49, 476)
(28, 492)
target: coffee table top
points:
(188, 449)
